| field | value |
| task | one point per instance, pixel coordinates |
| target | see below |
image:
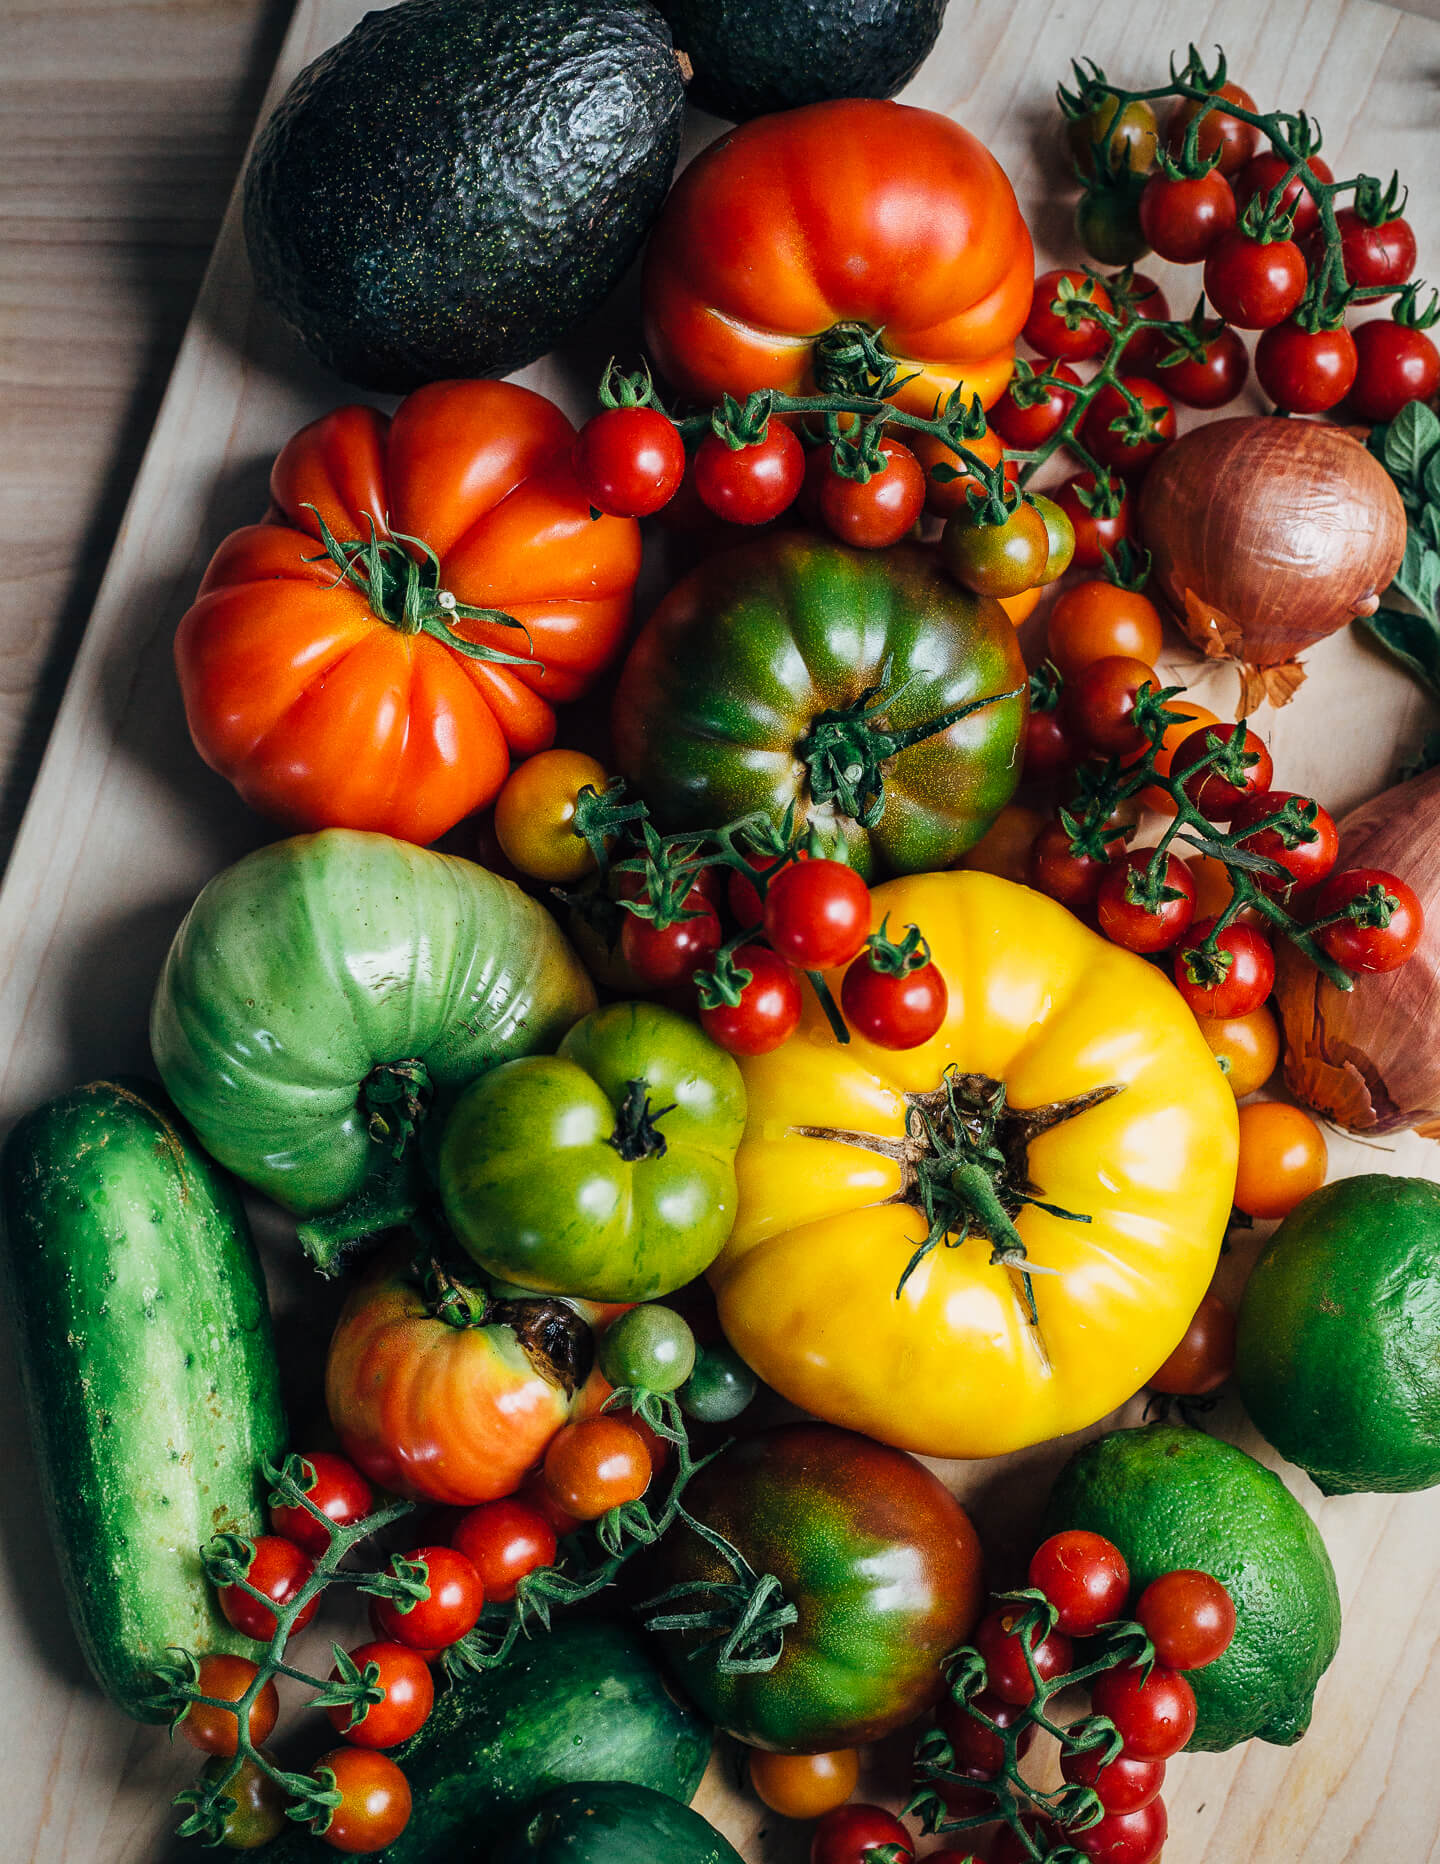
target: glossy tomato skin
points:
(1376, 255)
(1209, 381)
(768, 1012)
(903, 222)
(894, 1012)
(1054, 868)
(1026, 428)
(1049, 333)
(834, 1516)
(448, 1614)
(629, 461)
(1049, 747)
(322, 715)
(1265, 172)
(752, 484)
(1189, 1616)
(535, 815)
(1123, 1784)
(409, 1696)
(1094, 620)
(1135, 927)
(1213, 794)
(1308, 862)
(1248, 1047)
(1154, 1714)
(804, 1786)
(1100, 703)
(1001, 1642)
(1370, 948)
(877, 512)
(1183, 219)
(1283, 1158)
(977, 1748)
(849, 1834)
(1085, 1578)
(374, 1800)
(1111, 448)
(504, 1540)
(817, 914)
(1254, 283)
(709, 714)
(997, 559)
(1394, 365)
(596, 1465)
(1205, 1357)
(1236, 139)
(1094, 533)
(1306, 371)
(217, 1731)
(338, 1490)
(1127, 1837)
(279, 1569)
(1245, 985)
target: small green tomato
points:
(719, 1388)
(650, 1347)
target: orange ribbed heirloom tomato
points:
(348, 699)
(854, 212)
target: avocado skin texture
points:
(752, 57)
(451, 189)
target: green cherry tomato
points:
(650, 1347)
(1059, 535)
(719, 1388)
(1107, 221)
(259, 1815)
(996, 559)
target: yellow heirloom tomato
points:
(1068, 1077)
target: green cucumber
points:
(612, 1823)
(148, 1366)
(582, 1702)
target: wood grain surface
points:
(125, 824)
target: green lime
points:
(1168, 1496)
(1338, 1350)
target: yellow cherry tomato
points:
(535, 814)
(1283, 1156)
(1247, 1047)
(804, 1786)
(1113, 1110)
(1004, 848)
(1020, 607)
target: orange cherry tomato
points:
(942, 496)
(1175, 735)
(804, 1786)
(1282, 1158)
(535, 813)
(1020, 607)
(374, 1800)
(1247, 1047)
(595, 1466)
(216, 1731)
(1094, 620)
(1213, 889)
(309, 692)
(1004, 848)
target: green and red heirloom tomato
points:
(795, 672)
(606, 1170)
(338, 687)
(876, 1556)
(441, 1393)
(322, 989)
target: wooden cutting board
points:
(125, 825)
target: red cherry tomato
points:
(1183, 219)
(1123, 1784)
(1394, 365)
(878, 512)
(1056, 869)
(1134, 926)
(1100, 702)
(1211, 793)
(1126, 1837)
(1236, 140)
(1154, 1714)
(1006, 1848)
(278, 1569)
(338, 1490)
(893, 1012)
(1048, 745)
(374, 1800)
(217, 1731)
(1254, 283)
(1207, 381)
(456, 1595)
(853, 1834)
(1369, 948)
(629, 461)
(744, 898)
(977, 1748)
(1305, 371)
(750, 485)
(1263, 173)
(768, 1012)
(1085, 1578)
(504, 1541)
(1026, 428)
(1000, 1645)
(817, 914)
(1383, 255)
(1188, 1616)
(596, 1465)
(1247, 982)
(1046, 331)
(1205, 1356)
(1094, 533)
(409, 1697)
(1308, 862)
(1109, 411)
(663, 956)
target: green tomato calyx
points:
(637, 1135)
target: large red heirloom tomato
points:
(348, 700)
(856, 212)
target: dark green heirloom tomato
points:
(606, 1170)
(860, 687)
(874, 1554)
(321, 990)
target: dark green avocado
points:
(755, 56)
(451, 189)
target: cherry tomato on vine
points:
(534, 1494)
(217, 1731)
(1056, 869)
(744, 898)
(278, 1569)
(374, 1800)
(1095, 532)
(1154, 1714)
(1142, 302)
(1236, 140)
(893, 1012)
(750, 485)
(1183, 219)
(1123, 1784)
(999, 1643)
(338, 1490)
(663, 956)
(768, 1012)
(1376, 255)
(1095, 620)
(535, 813)
(1099, 436)
(996, 559)
(1305, 371)
(1049, 333)
(942, 496)
(629, 461)
(1006, 1848)
(1188, 1616)
(435, 1623)
(409, 1697)
(1283, 1157)
(260, 1802)
(979, 1749)
(1004, 848)
(1205, 1356)
(1247, 1047)
(853, 1834)
(1059, 539)
(1026, 428)
(1210, 792)
(875, 513)
(1254, 283)
(1263, 173)
(1123, 135)
(1085, 1578)
(1209, 380)
(1135, 927)
(1048, 745)
(1247, 982)
(804, 1786)
(1369, 948)
(1126, 1837)
(1107, 223)
(597, 1465)
(1193, 716)
(1394, 365)
(817, 914)
(504, 1541)
(1308, 862)
(1100, 703)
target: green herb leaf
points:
(1410, 440)
(1414, 640)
